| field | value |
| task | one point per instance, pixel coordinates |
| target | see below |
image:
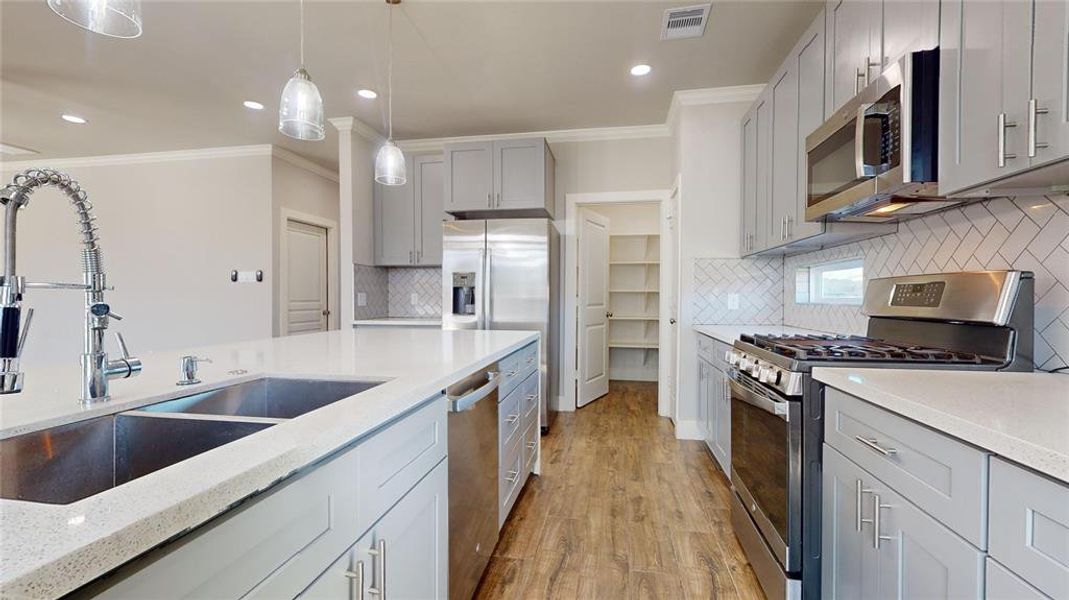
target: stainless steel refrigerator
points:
(503, 274)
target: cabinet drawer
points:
(391, 462)
(1030, 527)
(276, 543)
(510, 417)
(1004, 585)
(945, 476)
(529, 396)
(515, 367)
(530, 445)
(713, 351)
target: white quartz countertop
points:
(48, 550)
(729, 333)
(1023, 417)
(399, 322)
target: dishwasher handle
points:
(469, 400)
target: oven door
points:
(766, 464)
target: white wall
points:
(707, 152)
(311, 193)
(624, 219)
(170, 232)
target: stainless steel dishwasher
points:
(473, 463)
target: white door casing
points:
(307, 290)
(593, 295)
(668, 358)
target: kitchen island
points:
(47, 550)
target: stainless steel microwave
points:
(876, 158)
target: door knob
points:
(608, 315)
(671, 321)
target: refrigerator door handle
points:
(488, 285)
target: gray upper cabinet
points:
(854, 48)
(408, 217)
(1003, 94)
(785, 150)
(908, 26)
(504, 175)
(748, 230)
(808, 58)
(764, 227)
(430, 191)
(469, 176)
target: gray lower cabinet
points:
(714, 401)
(879, 545)
(404, 555)
(514, 175)
(391, 486)
(1004, 585)
(408, 217)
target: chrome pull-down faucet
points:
(97, 368)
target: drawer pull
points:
(511, 476)
(530, 397)
(530, 359)
(531, 445)
(357, 578)
(872, 445)
(512, 419)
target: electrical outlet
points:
(733, 302)
(361, 299)
(414, 299)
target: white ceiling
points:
(461, 68)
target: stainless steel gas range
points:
(979, 320)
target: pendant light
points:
(390, 161)
(113, 18)
(300, 112)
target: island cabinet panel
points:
(405, 555)
(1004, 585)
(877, 544)
(1030, 527)
(276, 544)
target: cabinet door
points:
(848, 561)
(469, 176)
(520, 173)
(405, 554)
(429, 190)
(703, 397)
(970, 92)
(711, 377)
(749, 183)
(908, 26)
(395, 218)
(1050, 79)
(722, 422)
(763, 213)
(784, 147)
(343, 579)
(809, 62)
(853, 53)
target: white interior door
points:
(593, 321)
(306, 278)
(669, 330)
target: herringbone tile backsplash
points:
(373, 283)
(1030, 234)
(732, 291)
(425, 283)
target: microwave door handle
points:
(777, 408)
(859, 141)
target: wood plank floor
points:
(622, 510)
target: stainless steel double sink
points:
(62, 464)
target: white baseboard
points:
(688, 430)
(559, 405)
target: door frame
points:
(572, 203)
(333, 298)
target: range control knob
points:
(729, 357)
(769, 375)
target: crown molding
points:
(140, 158)
(359, 127)
(680, 98)
(303, 163)
(703, 96)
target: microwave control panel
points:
(927, 295)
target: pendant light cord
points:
(389, 69)
(300, 22)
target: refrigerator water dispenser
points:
(464, 293)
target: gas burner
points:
(860, 349)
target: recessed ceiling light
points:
(253, 105)
(640, 70)
(368, 94)
(74, 119)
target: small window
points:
(839, 282)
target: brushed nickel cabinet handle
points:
(379, 552)
(357, 579)
(876, 537)
(871, 444)
(1033, 112)
(859, 490)
(1003, 124)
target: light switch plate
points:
(733, 302)
(361, 299)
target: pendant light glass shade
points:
(114, 18)
(390, 165)
(300, 113)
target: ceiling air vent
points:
(685, 22)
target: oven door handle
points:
(765, 403)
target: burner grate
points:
(857, 348)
